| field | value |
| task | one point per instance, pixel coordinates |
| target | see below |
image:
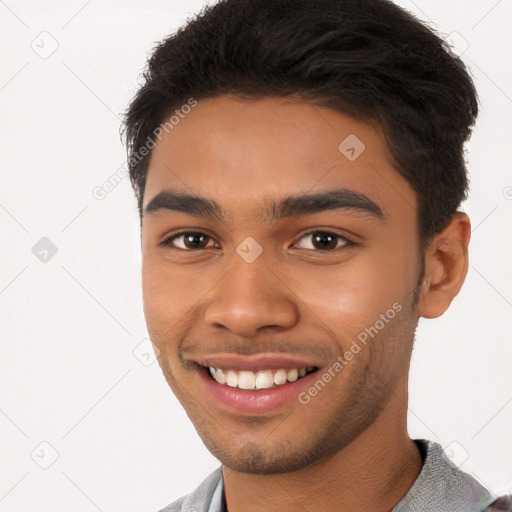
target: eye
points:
(326, 241)
(321, 241)
(191, 240)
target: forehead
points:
(249, 153)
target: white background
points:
(70, 325)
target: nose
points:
(251, 298)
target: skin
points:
(354, 453)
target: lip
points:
(257, 362)
(236, 400)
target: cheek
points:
(165, 288)
(171, 297)
(349, 297)
(163, 300)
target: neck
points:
(374, 472)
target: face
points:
(305, 251)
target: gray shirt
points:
(440, 487)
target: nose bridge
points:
(249, 298)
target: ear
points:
(446, 266)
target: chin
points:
(254, 458)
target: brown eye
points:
(325, 241)
(191, 240)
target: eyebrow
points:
(290, 206)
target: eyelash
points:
(168, 241)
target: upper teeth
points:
(262, 379)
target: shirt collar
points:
(441, 485)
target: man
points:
(298, 166)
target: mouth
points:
(254, 391)
(269, 378)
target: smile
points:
(262, 379)
(254, 391)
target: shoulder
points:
(442, 485)
(175, 506)
(201, 497)
(501, 504)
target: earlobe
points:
(446, 266)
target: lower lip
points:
(260, 401)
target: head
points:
(326, 140)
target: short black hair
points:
(366, 58)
